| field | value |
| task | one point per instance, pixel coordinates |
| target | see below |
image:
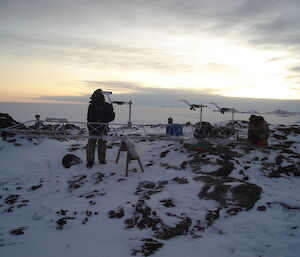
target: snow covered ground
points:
(232, 200)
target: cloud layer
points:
(157, 38)
(171, 97)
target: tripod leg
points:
(139, 160)
(118, 154)
(127, 163)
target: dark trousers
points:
(90, 149)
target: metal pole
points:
(129, 120)
(201, 117)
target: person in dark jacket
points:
(98, 111)
(258, 131)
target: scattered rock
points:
(143, 217)
(150, 163)
(163, 154)
(225, 170)
(294, 129)
(181, 180)
(290, 170)
(77, 182)
(118, 214)
(148, 188)
(262, 208)
(7, 121)
(74, 147)
(97, 177)
(149, 247)
(184, 165)
(91, 194)
(69, 160)
(60, 223)
(243, 195)
(35, 187)
(11, 199)
(18, 231)
(168, 203)
(279, 137)
(181, 228)
(168, 166)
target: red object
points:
(262, 143)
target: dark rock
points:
(225, 170)
(211, 216)
(147, 184)
(72, 149)
(274, 174)
(168, 203)
(168, 166)
(262, 208)
(60, 223)
(290, 170)
(148, 188)
(279, 137)
(18, 231)
(279, 159)
(149, 247)
(149, 164)
(97, 177)
(143, 217)
(77, 182)
(243, 195)
(6, 120)
(92, 203)
(91, 194)
(246, 178)
(181, 180)
(35, 187)
(163, 154)
(292, 227)
(116, 214)
(183, 165)
(284, 205)
(62, 212)
(221, 151)
(11, 199)
(168, 232)
(70, 159)
(85, 220)
(294, 129)
(289, 207)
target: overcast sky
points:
(155, 51)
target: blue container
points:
(174, 129)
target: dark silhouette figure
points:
(98, 111)
(258, 131)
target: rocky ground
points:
(218, 195)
